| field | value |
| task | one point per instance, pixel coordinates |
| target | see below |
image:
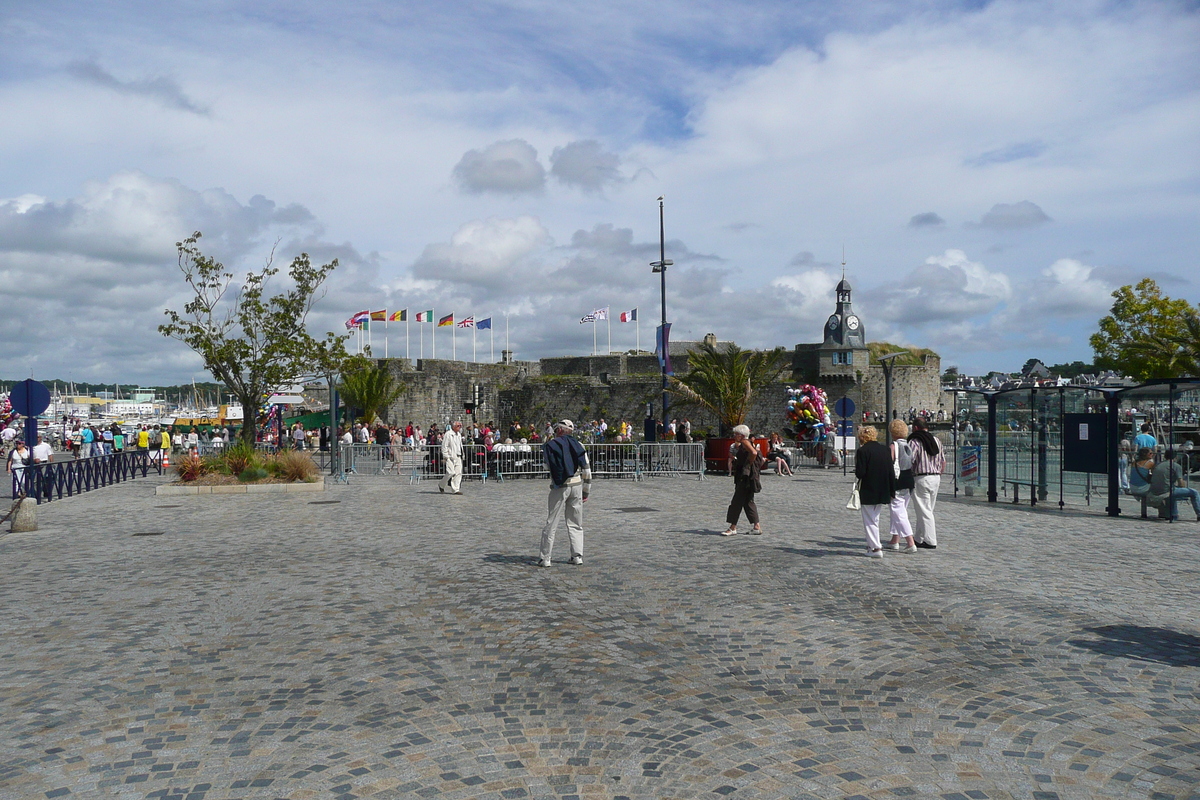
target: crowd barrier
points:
(58, 479)
(514, 462)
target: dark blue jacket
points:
(563, 456)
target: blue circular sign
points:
(30, 398)
(844, 407)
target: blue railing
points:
(60, 479)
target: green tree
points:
(1181, 351)
(1131, 338)
(369, 388)
(726, 382)
(253, 343)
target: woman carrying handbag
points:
(877, 484)
(746, 469)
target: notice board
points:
(1085, 443)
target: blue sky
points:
(993, 170)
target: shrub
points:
(240, 457)
(291, 465)
(251, 474)
(189, 468)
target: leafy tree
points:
(1131, 337)
(726, 382)
(252, 343)
(1181, 351)
(369, 388)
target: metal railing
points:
(665, 458)
(58, 479)
(510, 462)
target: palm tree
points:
(370, 389)
(726, 382)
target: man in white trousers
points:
(570, 482)
(452, 459)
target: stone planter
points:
(241, 488)
(716, 452)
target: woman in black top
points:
(873, 468)
(746, 468)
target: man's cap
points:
(565, 423)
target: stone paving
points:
(382, 640)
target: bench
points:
(1016, 484)
(1158, 502)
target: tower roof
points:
(843, 285)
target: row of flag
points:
(363, 319)
(601, 314)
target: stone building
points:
(623, 385)
(841, 365)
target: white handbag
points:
(854, 504)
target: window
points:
(844, 357)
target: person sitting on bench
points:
(1141, 472)
(1167, 482)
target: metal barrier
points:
(510, 462)
(57, 479)
(615, 460)
(671, 459)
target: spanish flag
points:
(379, 316)
(446, 321)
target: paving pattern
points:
(382, 640)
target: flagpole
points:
(637, 332)
(608, 322)
(506, 347)
(453, 341)
(406, 334)
(593, 334)
(472, 344)
(492, 331)
(421, 328)
(433, 330)
(385, 322)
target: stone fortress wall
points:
(614, 387)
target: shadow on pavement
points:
(700, 532)
(1159, 645)
(835, 547)
(502, 558)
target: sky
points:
(991, 171)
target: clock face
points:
(834, 321)
(852, 323)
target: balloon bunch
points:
(266, 416)
(6, 410)
(808, 410)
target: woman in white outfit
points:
(902, 468)
(929, 459)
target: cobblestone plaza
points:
(382, 640)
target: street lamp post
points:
(660, 267)
(886, 361)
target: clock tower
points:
(844, 329)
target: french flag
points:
(629, 316)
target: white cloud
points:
(509, 167)
(1067, 287)
(491, 253)
(949, 287)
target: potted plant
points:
(725, 382)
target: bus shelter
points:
(1063, 444)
